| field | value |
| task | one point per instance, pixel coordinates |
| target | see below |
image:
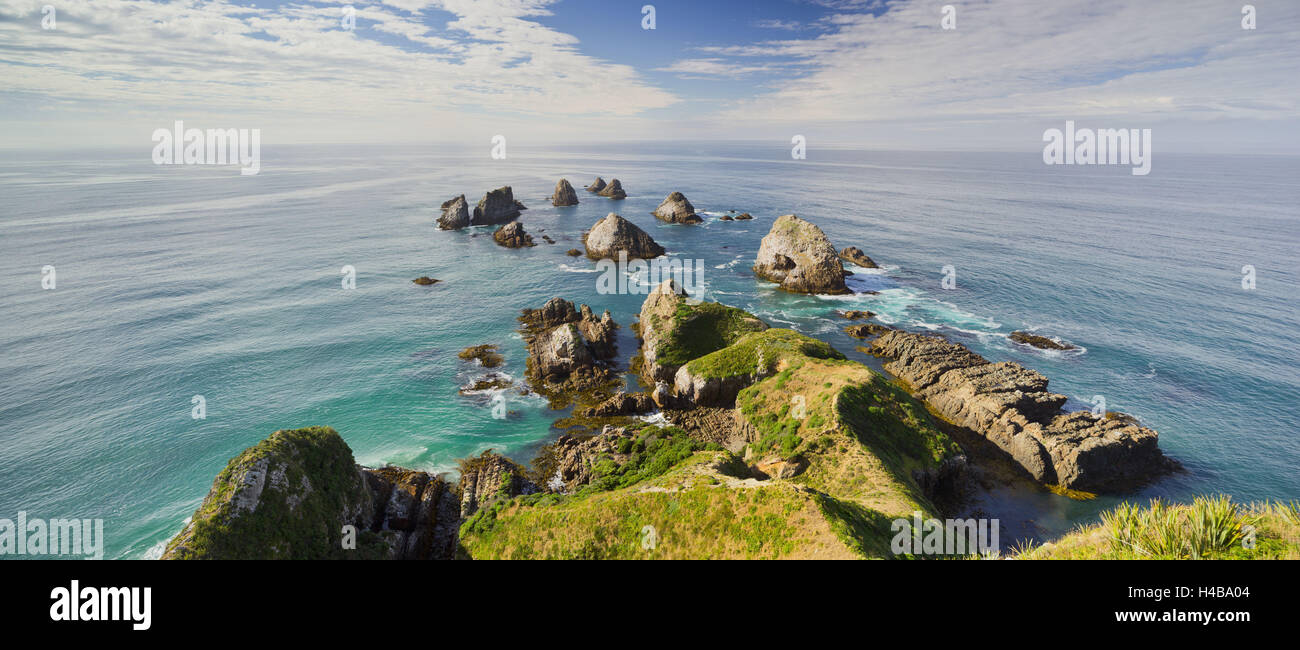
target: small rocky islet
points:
(752, 418)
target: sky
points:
(842, 73)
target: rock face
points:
(573, 458)
(455, 214)
(488, 477)
(497, 206)
(622, 403)
(796, 254)
(419, 518)
(289, 497)
(676, 209)
(866, 330)
(854, 255)
(564, 194)
(596, 185)
(654, 322)
(614, 190)
(673, 332)
(1009, 405)
(614, 234)
(512, 235)
(568, 349)
(1040, 342)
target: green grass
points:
(702, 328)
(1211, 527)
(692, 516)
(768, 347)
(287, 522)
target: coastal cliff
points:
(1010, 406)
(744, 440)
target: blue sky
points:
(873, 73)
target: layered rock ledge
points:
(1010, 406)
(797, 255)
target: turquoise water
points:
(182, 281)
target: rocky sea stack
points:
(564, 194)
(676, 209)
(455, 214)
(613, 191)
(497, 206)
(512, 235)
(797, 255)
(570, 351)
(596, 185)
(854, 255)
(1010, 406)
(614, 234)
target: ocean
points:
(179, 281)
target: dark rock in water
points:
(855, 255)
(744, 216)
(726, 217)
(570, 351)
(564, 194)
(573, 252)
(1040, 342)
(797, 255)
(490, 381)
(455, 214)
(547, 239)
(614, 190)
(855, 314)
(596, 185)
(614, 234)
(488, 477)
(485, 354)
(497, 206)
(1010, 406)
(512, 235)
(425, 280)
(291, 495)
(676, 209)
(866, 330)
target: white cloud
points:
(1010, 59)
(138, 60)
